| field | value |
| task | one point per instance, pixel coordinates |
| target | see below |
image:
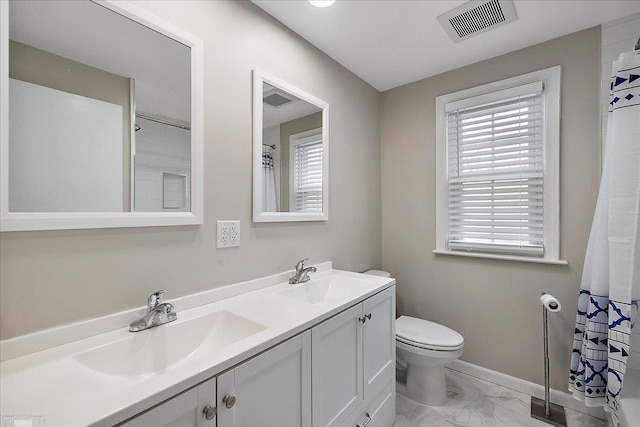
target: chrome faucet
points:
(302, 273)
(158, 313)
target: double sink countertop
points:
(98, 373)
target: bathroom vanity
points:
(262, 353)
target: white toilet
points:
(424, 347)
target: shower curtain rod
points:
(164, 122)
(273, 146)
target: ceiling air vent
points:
(476, 17)
(276, 97)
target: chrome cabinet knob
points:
(229, 401)
(209, 412)
(365, 317)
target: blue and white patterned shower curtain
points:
(269, 196)
(609, 292)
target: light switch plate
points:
(228, 234)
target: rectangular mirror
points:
(290, 153)
(102, 125)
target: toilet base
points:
(425, 372)
(427, 385)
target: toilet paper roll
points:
(550, 302)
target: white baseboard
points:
(526, 387)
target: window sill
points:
(502, 257)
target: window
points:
(498, 169)
(305, 158)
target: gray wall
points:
(54, 277)
(493, 304)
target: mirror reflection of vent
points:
(476, 17)
(277, 98)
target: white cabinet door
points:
(379, 338)
(183, 410)
(337, 367)
(271, 390)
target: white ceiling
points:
(389, 43)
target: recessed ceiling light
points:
(322, 3)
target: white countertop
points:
(52, 383)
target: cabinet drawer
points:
(381, 408)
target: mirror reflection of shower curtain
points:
(269, 196)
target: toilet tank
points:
(378, 273)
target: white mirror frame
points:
(260, 77)
(25, 221)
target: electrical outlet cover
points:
(228, 234)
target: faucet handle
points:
(300, 264)
(168, 308)
(155, 298)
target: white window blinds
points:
(307, 175)
(495, 164)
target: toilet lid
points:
(422, 333)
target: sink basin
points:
(324, 289)
(160, 348)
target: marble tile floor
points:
(478, 403)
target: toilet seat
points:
(427, 335)
(428, 353)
